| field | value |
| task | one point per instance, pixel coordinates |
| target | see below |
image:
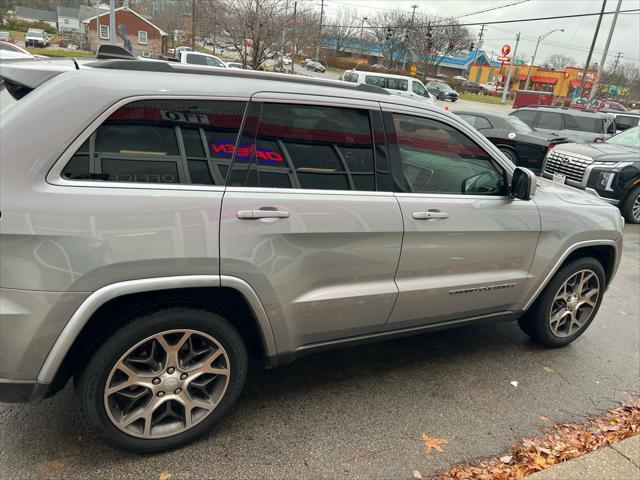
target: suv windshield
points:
(629, 138)
(31, 33)
(519, 125)
(444, 86)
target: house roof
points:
(36, 14)
(162, 32)
(68, 12)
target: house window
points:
(65, 21)
(142, 37)
(104, 32)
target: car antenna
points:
(75, 63)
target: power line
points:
(493, 8)
(497, 22)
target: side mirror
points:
(523, 184)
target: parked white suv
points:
(397, 84)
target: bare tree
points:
(559, 61)
(342, 31)
(255, 27)
(392, 36)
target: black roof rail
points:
(108, 51)
(171, 67)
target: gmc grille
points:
(571, 167)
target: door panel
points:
(485, 244)
(467, 247)
(323, 260)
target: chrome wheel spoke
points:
(167, 383)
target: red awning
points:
(535, 79)
(576, 83)
(522, 76)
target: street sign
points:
(506, 48)
(503, 59)
(413, 70)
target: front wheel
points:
(631, 206)
(163, 379)
(510, 154)
(568, 305)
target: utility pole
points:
(593, 44)
(112, 22)
(193, 25)
(293, 38)
(364, 19)
(615, 64)
(320, 31)
(475, 58)
(406, 36)
(596, 84)
(508, 82)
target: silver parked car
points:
(178, 220)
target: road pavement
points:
(359, 412)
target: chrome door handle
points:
(257, 214)
(430, 214)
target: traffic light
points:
(452, 43)
(389, 33)
(472, 47)
(429, 37)
(406, 36)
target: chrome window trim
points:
(54, 176)
(309, 191)
(99, 297)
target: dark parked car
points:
(442, 91)
(467, 86)
(580, 126)
(609, 169)
(315, 66)
(524, 146)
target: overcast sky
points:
(573, 42)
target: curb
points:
(620, 461)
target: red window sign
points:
(245, 152)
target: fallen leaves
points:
(165, 475)
(547, 369)
(433, 443)
(543, 418)
(559, 444)
(417, 475)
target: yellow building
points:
(561, 82)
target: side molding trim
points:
(569, 251)
(98, 298)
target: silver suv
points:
(175, 220)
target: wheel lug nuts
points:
(177, 391)
(156, 381)
(161, 394)
(183, 376)
(170, 370)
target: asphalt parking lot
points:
(360, 412)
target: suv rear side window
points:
(584, 124)
(350, 77)
(161, 141)
(527, 116)
(302, 146)
(550, 121)
(437, 158)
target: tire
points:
(537, 322)
(511, 155)
(630, 205)
(217, 344)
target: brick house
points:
(145, 38)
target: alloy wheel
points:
(167, 383)
(635, 209)
(574, 303)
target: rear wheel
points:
(163, 379)
(631, 206)
(510, 154)
(568, 304)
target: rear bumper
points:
(22, 391)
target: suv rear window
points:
(584, 124)
(302, 146)
(161, 141)
(527, 116)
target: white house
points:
(68, 19)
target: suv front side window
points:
(437, 158)
(161, 141)
(312, 147)
(550, 121)
(527, 116)
(418, 89)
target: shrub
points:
(23, 26)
